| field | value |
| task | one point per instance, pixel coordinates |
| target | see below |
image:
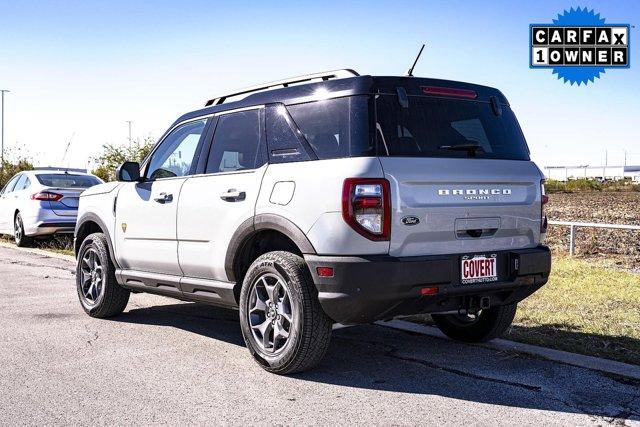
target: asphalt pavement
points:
(169, 362)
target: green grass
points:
(588, 308)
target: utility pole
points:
(2, 147)
(129, 122)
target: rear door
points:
(7, 205)
(460, 175)
(214, 204)
(146, 212)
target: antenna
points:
(410, 70)
(67, 149)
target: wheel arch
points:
(87, 224)
(269, 232)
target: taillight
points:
(46, 195)
(366, 207)
(449, 91)
(543, 201)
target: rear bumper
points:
(44, 228)
(365, 289)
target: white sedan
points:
(42, 202)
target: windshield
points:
(439, 127)
(64, 180)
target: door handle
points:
(233, 195)
(164, 198)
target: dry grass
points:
(62, 244)
(590, 308)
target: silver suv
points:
(322, 199)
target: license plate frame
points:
(478, 269)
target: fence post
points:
(572, 240)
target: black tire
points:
(21, 240)
(309, 331)
(111, 299)
(489, 324)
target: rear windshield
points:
(335, 128)
(439, 127)
(63, 180)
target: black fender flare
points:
(91, 217)
(258, 223)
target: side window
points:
(9, 187)
(285, 144)
(20, 183)
(176, 153)
(236, 142)
(27, 184)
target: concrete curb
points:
(41, 252)
(588, 362)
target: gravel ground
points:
(168, 362)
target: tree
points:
(15, 160)
(113, 156)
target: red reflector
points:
(448, 91)
(367, 202)
(432, 290)
(325, 271)
(45, 195)
(545, 199)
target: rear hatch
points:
(461, 179)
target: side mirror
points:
(128, 172)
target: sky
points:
(78, 70)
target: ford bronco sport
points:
(328, 198)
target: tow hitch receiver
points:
(471, 305)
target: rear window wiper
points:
(469, 148)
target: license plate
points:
(478, 269)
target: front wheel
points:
(282, 322)
(487, 325)
(99, 293)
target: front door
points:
(146, 212)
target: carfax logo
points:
(578, 46)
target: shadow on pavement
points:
(387, 360)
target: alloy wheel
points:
(270, 313)
(92, 277)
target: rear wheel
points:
(487, 325)
(18, 233)
(282, 322)
(99, 293)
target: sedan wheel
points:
(18, 233)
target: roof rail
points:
(327, 75)
(53, 168)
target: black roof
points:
(360, 85)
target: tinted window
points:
(65, 180)
(9, 187)
(236, 142)
(437, 127)
(335, 127)
(27, 183)
(283, 139)
(174, 157)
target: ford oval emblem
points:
(410, 220)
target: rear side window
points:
(20, 184)
(64, 180)
(236, 142)
(9, 187)
(440, 127)
(335, 128)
